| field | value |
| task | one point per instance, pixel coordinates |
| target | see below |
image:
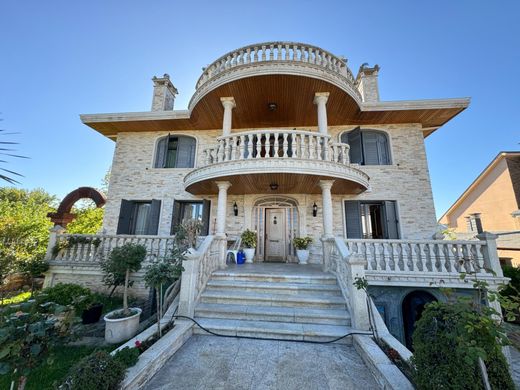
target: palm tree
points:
(6, 150)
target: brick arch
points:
(63, 216)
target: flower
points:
(137, 343)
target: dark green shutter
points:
(356, 147)
(206, 209)
(392, 223)
(383, 149)
(125, 216)
(353, 219)
(176, 216)
(185, 152)
(152, 227)
(162, 152)
(370, 148)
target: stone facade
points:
(405, 181)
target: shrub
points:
(99, 370)
(123, 260)
(302, 243)
(448, 340)
(63, 293)
(248, 239)
(127, 356)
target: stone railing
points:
(277, 52)
(197, 270)
(262, 144)
(92, 248)
(422, 256)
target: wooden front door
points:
(275, 235)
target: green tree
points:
(88, 220)
(24, 226)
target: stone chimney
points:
(366, 83)
(163, 93)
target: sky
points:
(59, 59)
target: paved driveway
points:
(209, 362)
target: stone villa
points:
(283, 139)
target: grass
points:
(21, 297)
(51, 373)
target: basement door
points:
(275, 235)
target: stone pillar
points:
(188, 291)
(163, 93)
(53, 238)
(491, 259)
(320, 99)
(326, 195)
(229, 104)
(222, 207)
(248, 211)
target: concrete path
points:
(209, 362)
(515, 365)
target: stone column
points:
(326, 195)
(229, 104)
(320, 99)
(222, 207)
(491, 253)
(53, 239)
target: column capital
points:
(228, 102)
(321, 97)
(326, 184)
(223, 185)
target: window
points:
(175, 152)
(139, 217)
(367, 147)
(184, 210)
(371, 219)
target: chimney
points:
(366, 83)
(163, 93)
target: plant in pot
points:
(89, 308)
(249, 243)
(302, 248)
(123, 324)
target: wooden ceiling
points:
(293, 96)
(288, 183)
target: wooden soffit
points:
(293, 96)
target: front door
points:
(275, 235)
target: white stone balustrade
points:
(277, 52)
(86, 248)
(277, 144)
(423, 256)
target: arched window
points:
(174, 151)
(413, 307)
(367, 147)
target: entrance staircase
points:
(279, 301)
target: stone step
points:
(233, 296)
(273, 313)
(274, 288)
(314, 278)
(274, 330)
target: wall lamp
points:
(273, 186)
(314, 209)
(235, 209)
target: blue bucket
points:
(241, 257)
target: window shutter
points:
(185, 153)
(125, 215)
(392, 223)
(176, 216)
(153, 218)
(206, 209)
(353, 219)
(356, 148)
(370, 148)
(383, 150)
(161, 152)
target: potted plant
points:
(302, 248)
(123, 324)
(249, 243)
(89, 308)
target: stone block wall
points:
(406, 181)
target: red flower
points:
(137, 343)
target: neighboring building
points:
(491, 203)
(283, 139)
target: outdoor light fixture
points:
(235, 209)
(273, 186)
(272, 106)
(314, 209)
